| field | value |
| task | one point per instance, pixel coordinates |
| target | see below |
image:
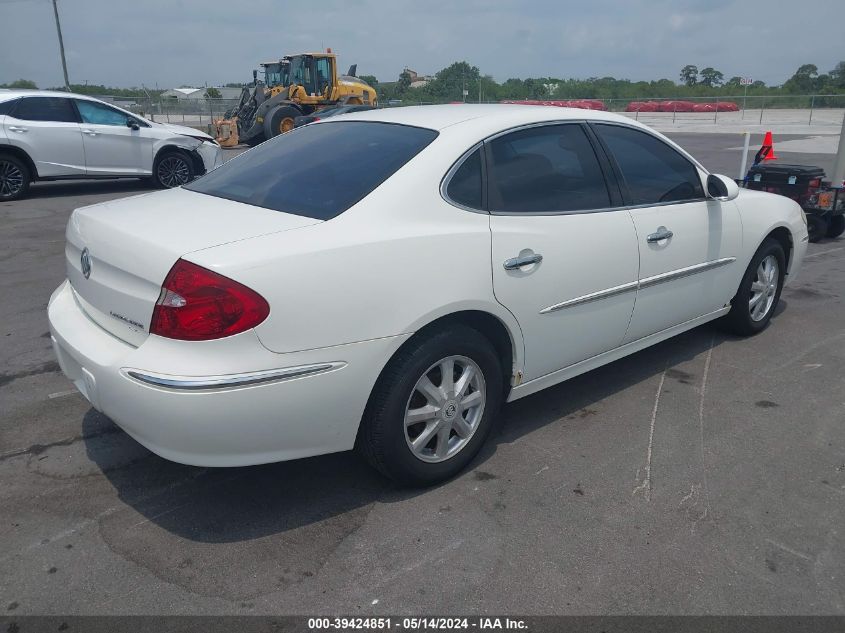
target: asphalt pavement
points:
(703, 475)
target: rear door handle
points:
(662, 233)
(90, 132)
(515, 263)
(15, 128)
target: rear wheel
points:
(433, 407)
(14, 178)
(280, 121)
(173, 169)
(816, 226)
(836, 226)
(759, 291)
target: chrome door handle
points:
(662, 233)
(515, 263)
(15, 128)
(90, 132)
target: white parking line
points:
(830, 250)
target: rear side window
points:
(465, 185)
(317, 171)
(653, 171)
(6, 106)
(57, 109)
(545, 169)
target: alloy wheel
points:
(11, 179)
(764, 288)
(174, 171)
(445, 409)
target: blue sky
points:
(175, 42)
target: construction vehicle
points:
(294, 86)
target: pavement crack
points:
(645, 484)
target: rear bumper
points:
(178, 400)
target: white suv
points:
(57, 135)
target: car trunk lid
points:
(127, 247)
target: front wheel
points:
(759, 291)
(280, 121)
(173, 169)
(836, 226)
(433, 407)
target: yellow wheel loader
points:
(293, 86)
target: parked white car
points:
(387, 279)
(57, 136)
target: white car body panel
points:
(533, 293)
(56, 148)
(704, 233)
(346, 293)
(133, 254)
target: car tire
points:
(836, 226)
(392, 442)
(173, 168)
(817, 226)
(14, 178)
(280, 120)
(759, 291)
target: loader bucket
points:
(226, 132)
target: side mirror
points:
(721, 187)
(132, 124)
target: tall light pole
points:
(61, 45)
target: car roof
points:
(439, 117)
(474, 123)
(14, 93)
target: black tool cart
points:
(823, 204)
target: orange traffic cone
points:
(769, 143)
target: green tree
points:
(837, 76)
(689, 75)
(804, 79)
(711, 77)
(449, 82)
(212, 93)
(20, 83)
(404, 82)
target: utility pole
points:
(61, 45)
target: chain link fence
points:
(810, 110)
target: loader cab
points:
(277, 73)
(315, 73)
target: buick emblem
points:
(85, 261)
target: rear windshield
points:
(318, 171)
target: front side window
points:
(545, 169)
(317, 171)
(653, 171)
(55, 109)
(99, 114)
(465, 185)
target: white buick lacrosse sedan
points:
(385, 280)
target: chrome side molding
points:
(228, 381)
(672, 275)
(642, 283)
(593, 296)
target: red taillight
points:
(197, 304)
